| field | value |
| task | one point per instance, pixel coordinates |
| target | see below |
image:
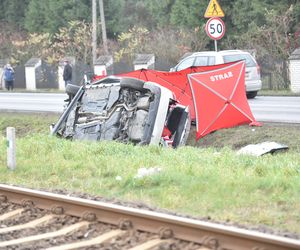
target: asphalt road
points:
(264, 108)
(276, 109)
(32, 102)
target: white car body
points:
(124, 109)
(206, 58)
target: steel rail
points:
(209, 234)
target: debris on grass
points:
(119, 178)
(142, 172)
(262, 148)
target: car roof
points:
(221, 52)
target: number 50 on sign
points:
(215, 28)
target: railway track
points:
(32, 219)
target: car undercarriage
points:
(126, 110)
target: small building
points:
(31, 67)
(144, 61)
(3, 62)
(103, 66)
(294, 66)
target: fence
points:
(275, 74)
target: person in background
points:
(9, 77)
(67, 74)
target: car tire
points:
(251, 94)
(72, 89)
(134, 83)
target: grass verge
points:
(238, 137)
(214, 182)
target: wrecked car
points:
(142, 106)
(126, 110)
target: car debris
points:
(119, 178)
(143, 172)
(262, 148)
(126, 110)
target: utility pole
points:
(103, 26)
(94, 31)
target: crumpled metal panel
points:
(110, 129)
(88, 131)
(97, 100)
(262, 148)
(137, 125)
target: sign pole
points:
(215, 27)
(216, 45)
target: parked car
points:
(126, 110)
(206, 58)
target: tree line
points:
(168, 28)
(49, 15)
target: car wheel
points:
(133, 83)
(72, 89)
(251, 94)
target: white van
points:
(205, 58)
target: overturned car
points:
(142, 106)
(126, 110)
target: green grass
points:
(202, 182)
(238, 137)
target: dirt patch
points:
(26, 124)
(234, 138)
(238, 137)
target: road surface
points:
(264, 108)
(32, 102)
(276, 108)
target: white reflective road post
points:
(11, 147)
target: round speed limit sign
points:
(215, 28)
